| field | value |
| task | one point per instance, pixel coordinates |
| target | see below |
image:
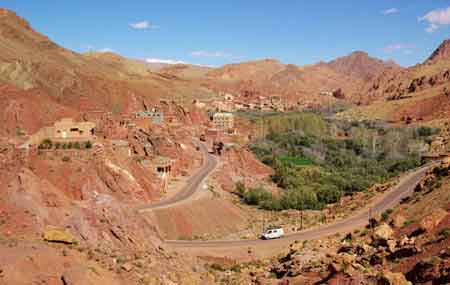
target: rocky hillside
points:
(405, 245)
(360, 65)
(29, 60)
(418, 93)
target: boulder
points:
(390, 278)
(347, 258)
(398, 221)
(392, 244)
(383, 232)
(430, 221)
(127, 266)
(446, 162)
(53, 234)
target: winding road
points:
(192, 184)
(389, 199)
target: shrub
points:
(256, 196)
(385, 215)
(88, 144)
(46, 144)
(239, 189)
(217, 267)
(76, 145)
(425, 131)
(445, 233)
(65, 159)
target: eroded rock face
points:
(434, 271)
(433, 219)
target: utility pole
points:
(264, 222)
(370, 220)
(301, 220)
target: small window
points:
(74, 129)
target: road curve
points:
(404, 188)
(192, 185)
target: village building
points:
(228, 97)
(122, 147)
(223, 120)
(199, 104)
(65, 130)
(162, 164)
(156, 116)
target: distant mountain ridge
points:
(441, 53)
(30, 60)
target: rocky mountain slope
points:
(270, 77)
(29, 60)
(417, 93)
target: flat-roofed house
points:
(223, 121)
(122, 147)
(65, 130)
(156, 116)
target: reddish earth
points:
(203, 218)
(91, 194)
(240, 165)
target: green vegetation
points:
(88, 145)
(385, 215)
(46, 144)
(295, 160)
(425, 131)
(317, 160)
(76, 145)
(19, 132)
(445, 233)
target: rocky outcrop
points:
(390, 278)
(52, 234)
(433, 271)
(429, 222)
(383, 233)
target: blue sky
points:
(220, 32)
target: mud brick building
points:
(223, 121)
(65, 130)
(156, 116)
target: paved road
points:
(192, 185)
(404, 188)
(388, 200)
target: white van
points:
(273, 233)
